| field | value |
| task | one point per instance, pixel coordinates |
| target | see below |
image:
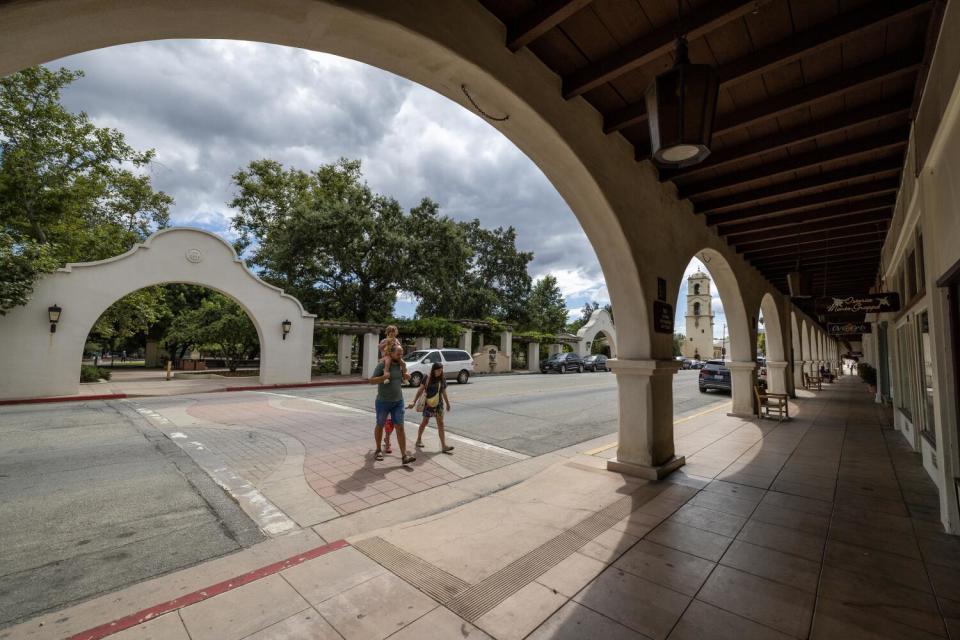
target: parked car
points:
(561, 363)
(457, 364)
(697, 364)
(685, 363)
(596, 362)
(714, 375)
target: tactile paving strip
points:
(432, 580)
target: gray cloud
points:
(210, 107)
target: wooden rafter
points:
(824, 257)
(807, 250)
(873, 15)
(884, 167)
(837, 237)
(705, 19)
(878, 203)
(538, 21)
(818, 228)
(883, 142)
(898, 107)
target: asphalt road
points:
(532, 414)
(91, 499)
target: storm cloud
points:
(209, 107)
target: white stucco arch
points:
(742, 336)
(600, 322)
(48, 364)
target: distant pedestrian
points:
(433, 390)
(390, 403)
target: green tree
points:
(762, 344)
(498, 284)
(69, 191)
(218, 325)
(678, 339)
(546, 308)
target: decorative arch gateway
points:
(600, 322)
(48, 363)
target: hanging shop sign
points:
(847, 328)
(662, 317)
(865, 303)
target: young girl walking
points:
(433, 389)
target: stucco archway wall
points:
(48, 364)
(600, 322)
(777, 364)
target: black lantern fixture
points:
(286, 324)
(53, 314)
(681, 104)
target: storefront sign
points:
(847, 328)
(866, 303)
(662, 317)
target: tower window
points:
(696, 289)
(696, 308)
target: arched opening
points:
(711, 324)
(770, 346)
(198, 331)
(796, 353)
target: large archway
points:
(49, 361)
(600, 323)
(776, 360)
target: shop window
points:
(925, 379)
(905, 370)
(911, 276)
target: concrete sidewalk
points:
(825, 526)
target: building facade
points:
(698, 341)
(916, 349)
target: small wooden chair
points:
(769, 403)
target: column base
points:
(643, 471)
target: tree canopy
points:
(546, 309)
(346, 252)
(69, 191)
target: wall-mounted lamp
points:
(53, 313)
(286, 324)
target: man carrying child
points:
(390, 400)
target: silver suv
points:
(457, 364)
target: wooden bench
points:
(810, 381)
(770, 403)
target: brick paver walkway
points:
(339, 464)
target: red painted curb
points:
(146, 615)
(103, 396)
(332, 383)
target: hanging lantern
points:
(681, 104)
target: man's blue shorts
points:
(392, 409)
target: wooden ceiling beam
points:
(849, 264)
(891, 140)
(835, 212)
(820, 227)
(872, 244)
(780, 207)
(838, 238)
(707, 17)
(826, 258)
(898, 107)
(821, 36)
(890, 166)
(538, 21)
(846, 81)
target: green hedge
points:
(431, 328)
(90, 373)
(325, 365)
(536, 336)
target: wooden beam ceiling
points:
(793, 221)
(838, 237)
(541, 19)
(777, 208)
(660, 42)
(819, 37)
(870, 244)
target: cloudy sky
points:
(210, 107)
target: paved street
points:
(98, 495)
(92, 499)
(533, 414)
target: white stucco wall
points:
(48, 364)
(600, 322)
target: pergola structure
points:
(812, 118)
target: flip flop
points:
(407, 459)
(378, 455)
(447, 450)
(419, 445)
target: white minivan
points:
(457, 364)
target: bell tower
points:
(698, 342)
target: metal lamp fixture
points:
(286, 324)
(681, 104)
(53, 314)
